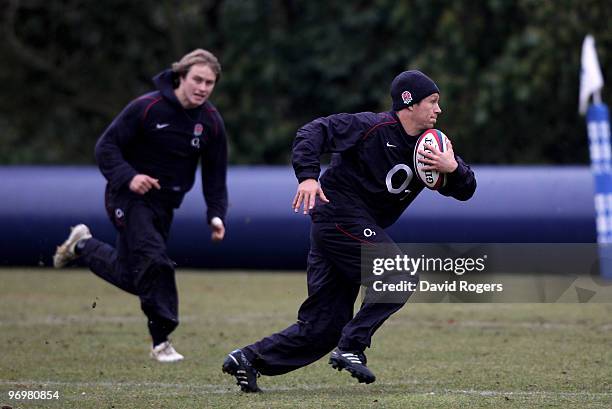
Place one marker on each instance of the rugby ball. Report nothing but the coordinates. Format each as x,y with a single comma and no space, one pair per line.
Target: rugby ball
431,178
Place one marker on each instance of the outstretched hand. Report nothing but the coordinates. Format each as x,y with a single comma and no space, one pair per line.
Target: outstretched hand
443,162
307,192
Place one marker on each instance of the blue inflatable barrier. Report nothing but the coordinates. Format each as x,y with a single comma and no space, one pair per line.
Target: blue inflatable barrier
511,204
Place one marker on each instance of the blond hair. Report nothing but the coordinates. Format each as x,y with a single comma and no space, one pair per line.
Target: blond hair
197,56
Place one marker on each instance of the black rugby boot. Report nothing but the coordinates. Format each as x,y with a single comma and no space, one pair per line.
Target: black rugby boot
238,365
354,362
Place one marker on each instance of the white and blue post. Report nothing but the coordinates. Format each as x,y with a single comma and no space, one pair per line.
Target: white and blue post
598,128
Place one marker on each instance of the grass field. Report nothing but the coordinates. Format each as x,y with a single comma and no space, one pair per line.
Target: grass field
52,337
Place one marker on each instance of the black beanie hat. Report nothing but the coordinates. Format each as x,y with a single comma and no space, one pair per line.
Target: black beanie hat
410,87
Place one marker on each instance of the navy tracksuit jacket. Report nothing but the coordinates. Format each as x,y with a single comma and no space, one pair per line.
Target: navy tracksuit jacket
370,182
156,136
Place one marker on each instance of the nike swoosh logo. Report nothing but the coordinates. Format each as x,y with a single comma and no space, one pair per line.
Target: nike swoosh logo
161,126
390,146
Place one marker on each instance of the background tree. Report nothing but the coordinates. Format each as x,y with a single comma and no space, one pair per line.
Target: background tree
508,70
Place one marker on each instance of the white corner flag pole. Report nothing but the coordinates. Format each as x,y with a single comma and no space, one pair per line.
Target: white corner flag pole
598,129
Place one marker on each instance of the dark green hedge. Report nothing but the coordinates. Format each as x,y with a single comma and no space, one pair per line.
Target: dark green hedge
508,70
